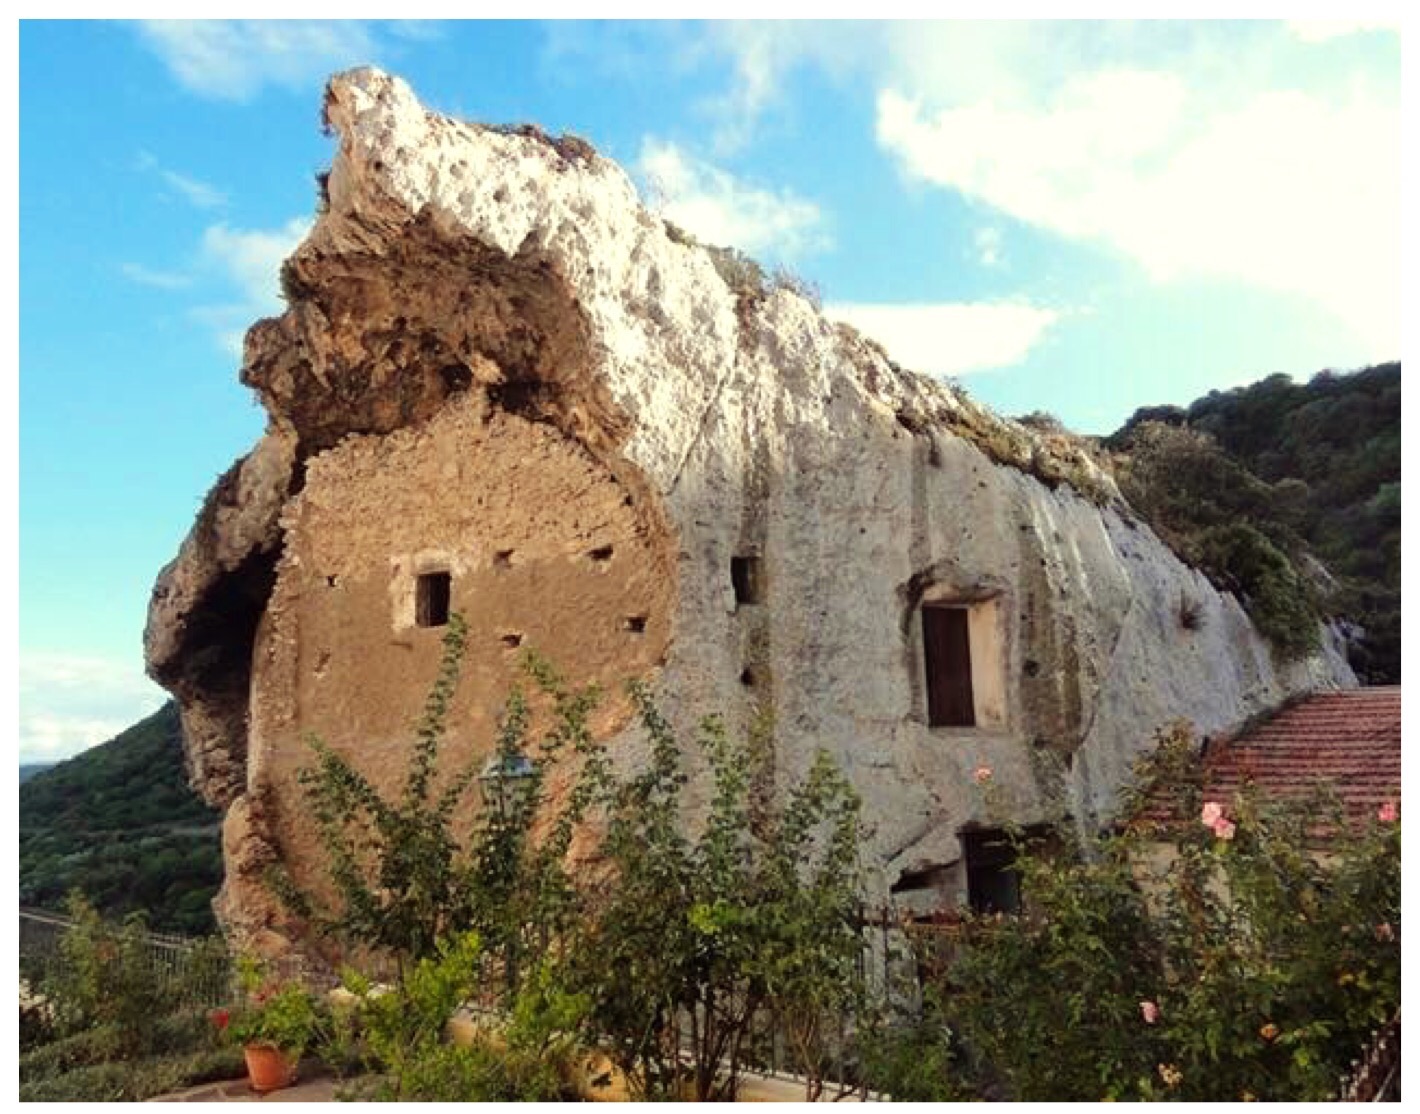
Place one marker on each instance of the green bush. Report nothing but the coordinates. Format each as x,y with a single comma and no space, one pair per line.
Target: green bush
1235,527
131,1080
913,1056
105,977
1275,596
1251,966
696,936
409,1058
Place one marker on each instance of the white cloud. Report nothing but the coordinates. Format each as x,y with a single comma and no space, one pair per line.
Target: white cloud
194,191
1324,30
762,53
1285,192
1287,189
234,59
987,242
149,276
720,209
250,261
68,704
1233,149
951,338
197,192
252,258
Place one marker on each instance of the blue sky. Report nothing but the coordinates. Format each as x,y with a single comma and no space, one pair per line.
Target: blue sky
1078,218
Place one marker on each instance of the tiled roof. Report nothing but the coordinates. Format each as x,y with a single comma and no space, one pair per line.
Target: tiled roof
1349,738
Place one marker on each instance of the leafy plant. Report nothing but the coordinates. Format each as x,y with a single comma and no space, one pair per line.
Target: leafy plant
276,1014
1247,964
698,935
105,977
394,865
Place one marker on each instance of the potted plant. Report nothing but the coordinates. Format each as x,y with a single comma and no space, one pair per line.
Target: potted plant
275,1022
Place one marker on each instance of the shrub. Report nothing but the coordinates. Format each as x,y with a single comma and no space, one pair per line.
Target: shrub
697,935
394,865
1273,593
1230,524
105,977
1251,966
131,1081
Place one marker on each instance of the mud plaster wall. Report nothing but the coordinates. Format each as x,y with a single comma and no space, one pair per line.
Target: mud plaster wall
546,550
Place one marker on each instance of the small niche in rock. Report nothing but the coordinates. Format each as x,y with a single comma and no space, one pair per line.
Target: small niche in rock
601,554
456,378
747,580
1031,667
636,624
512,640
503,559
332,581
752,677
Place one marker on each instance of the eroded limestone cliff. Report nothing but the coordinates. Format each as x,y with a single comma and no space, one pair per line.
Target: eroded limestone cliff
498,368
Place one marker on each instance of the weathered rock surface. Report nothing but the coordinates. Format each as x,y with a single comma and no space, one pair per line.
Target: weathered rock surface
497,365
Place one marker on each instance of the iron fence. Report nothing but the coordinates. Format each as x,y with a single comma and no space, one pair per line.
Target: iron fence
193,973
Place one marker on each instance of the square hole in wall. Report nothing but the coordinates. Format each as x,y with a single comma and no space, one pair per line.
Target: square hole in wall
748,579
431,599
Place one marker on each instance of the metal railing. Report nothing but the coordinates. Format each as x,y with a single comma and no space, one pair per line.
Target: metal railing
192,973
1375,1074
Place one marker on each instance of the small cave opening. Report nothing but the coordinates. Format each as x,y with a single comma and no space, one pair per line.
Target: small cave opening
602,554
503,559
456,377
512,640
635,624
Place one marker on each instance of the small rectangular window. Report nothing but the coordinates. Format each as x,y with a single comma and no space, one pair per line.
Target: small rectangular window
745,576
431,599
946,640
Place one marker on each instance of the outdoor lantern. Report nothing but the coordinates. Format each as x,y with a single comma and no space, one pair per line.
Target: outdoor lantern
506,780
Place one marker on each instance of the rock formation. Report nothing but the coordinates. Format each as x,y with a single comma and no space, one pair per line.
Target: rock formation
503,385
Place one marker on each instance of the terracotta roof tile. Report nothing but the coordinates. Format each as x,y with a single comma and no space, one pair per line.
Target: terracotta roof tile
1349,738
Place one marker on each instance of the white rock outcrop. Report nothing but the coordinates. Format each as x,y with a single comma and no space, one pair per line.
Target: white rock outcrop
487,329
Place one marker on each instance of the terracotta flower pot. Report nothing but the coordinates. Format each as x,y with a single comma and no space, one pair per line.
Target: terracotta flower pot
269,1068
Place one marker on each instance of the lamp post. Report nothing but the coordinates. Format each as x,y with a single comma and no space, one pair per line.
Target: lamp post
506,781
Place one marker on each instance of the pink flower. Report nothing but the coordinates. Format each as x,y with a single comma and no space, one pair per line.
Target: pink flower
1224,829
1150,1010
982,775
1384,932
1388,813
1212,813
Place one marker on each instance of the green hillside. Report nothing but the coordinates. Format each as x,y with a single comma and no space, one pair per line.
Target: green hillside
29,769
120,823
1309,467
